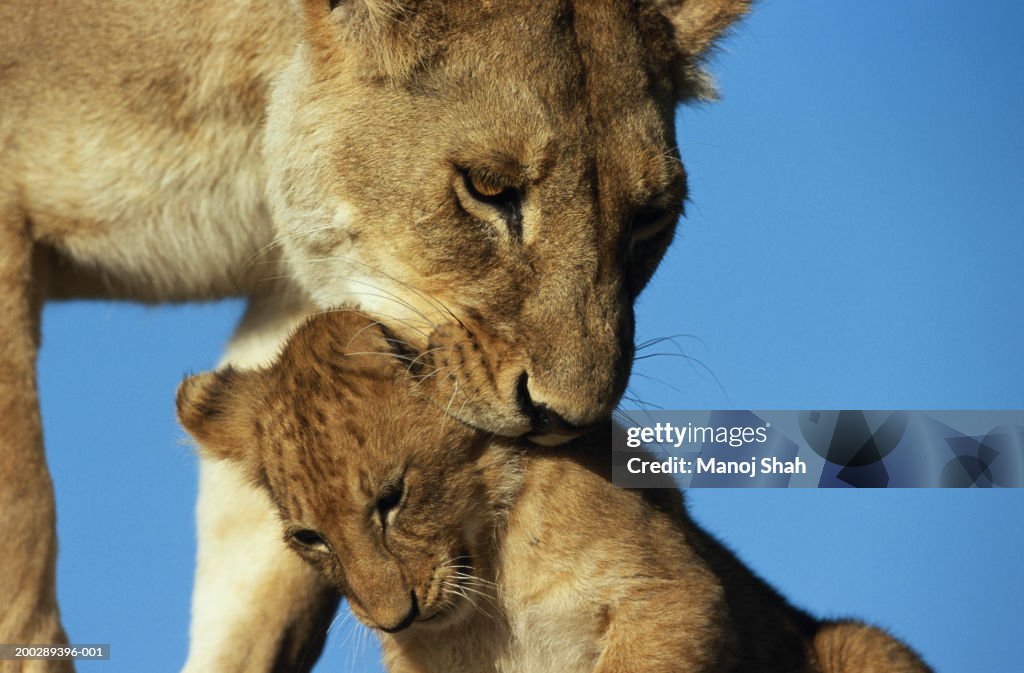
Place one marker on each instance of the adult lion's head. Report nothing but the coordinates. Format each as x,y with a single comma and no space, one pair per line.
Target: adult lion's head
495,180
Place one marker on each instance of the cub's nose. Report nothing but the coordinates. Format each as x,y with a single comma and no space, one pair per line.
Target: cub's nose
546,425
410,617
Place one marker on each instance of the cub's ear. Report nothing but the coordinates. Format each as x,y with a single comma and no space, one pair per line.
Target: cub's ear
697,25
215,409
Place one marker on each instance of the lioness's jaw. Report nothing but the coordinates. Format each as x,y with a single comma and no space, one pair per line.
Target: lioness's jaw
388,130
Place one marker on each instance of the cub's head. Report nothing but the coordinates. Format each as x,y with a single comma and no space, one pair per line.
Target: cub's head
496,181
389,498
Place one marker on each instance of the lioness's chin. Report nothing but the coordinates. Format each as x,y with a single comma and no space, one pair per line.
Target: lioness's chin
552,439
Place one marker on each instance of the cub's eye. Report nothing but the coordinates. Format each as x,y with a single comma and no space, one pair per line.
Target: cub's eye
389,500
310,539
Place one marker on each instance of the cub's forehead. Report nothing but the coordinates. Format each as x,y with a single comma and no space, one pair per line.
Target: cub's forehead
366,404
336,436
400,424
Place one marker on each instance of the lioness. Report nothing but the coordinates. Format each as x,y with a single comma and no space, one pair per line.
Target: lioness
503,174
472,553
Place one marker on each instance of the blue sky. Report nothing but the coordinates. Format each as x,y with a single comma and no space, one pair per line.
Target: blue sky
855,241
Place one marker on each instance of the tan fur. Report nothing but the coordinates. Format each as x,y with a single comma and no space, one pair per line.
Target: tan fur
255,606
852,647
189,150
476,553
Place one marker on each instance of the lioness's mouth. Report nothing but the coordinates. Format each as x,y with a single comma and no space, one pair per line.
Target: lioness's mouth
547,428
553,438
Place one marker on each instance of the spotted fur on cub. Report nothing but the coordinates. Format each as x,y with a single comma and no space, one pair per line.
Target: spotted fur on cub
471,553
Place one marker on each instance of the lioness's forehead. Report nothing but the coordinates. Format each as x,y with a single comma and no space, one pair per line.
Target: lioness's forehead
598,55
583,85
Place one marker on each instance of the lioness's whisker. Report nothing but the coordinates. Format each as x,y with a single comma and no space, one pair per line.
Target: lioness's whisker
376,323
657,380
387,294
423,378
423,354
426,296
630,397
696,364
673,339
394,299
376,314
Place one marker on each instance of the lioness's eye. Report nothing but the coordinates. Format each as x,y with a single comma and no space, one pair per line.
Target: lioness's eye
503,197
484,189
310,538
648,223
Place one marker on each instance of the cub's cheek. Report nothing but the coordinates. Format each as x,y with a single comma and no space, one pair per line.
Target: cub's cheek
336,582
325,565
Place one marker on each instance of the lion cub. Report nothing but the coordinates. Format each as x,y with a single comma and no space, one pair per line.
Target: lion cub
474,553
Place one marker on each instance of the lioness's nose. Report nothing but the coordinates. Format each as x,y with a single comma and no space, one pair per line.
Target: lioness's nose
544,421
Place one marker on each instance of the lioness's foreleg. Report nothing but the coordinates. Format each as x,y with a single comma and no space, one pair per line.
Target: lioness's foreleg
256,606
28,598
